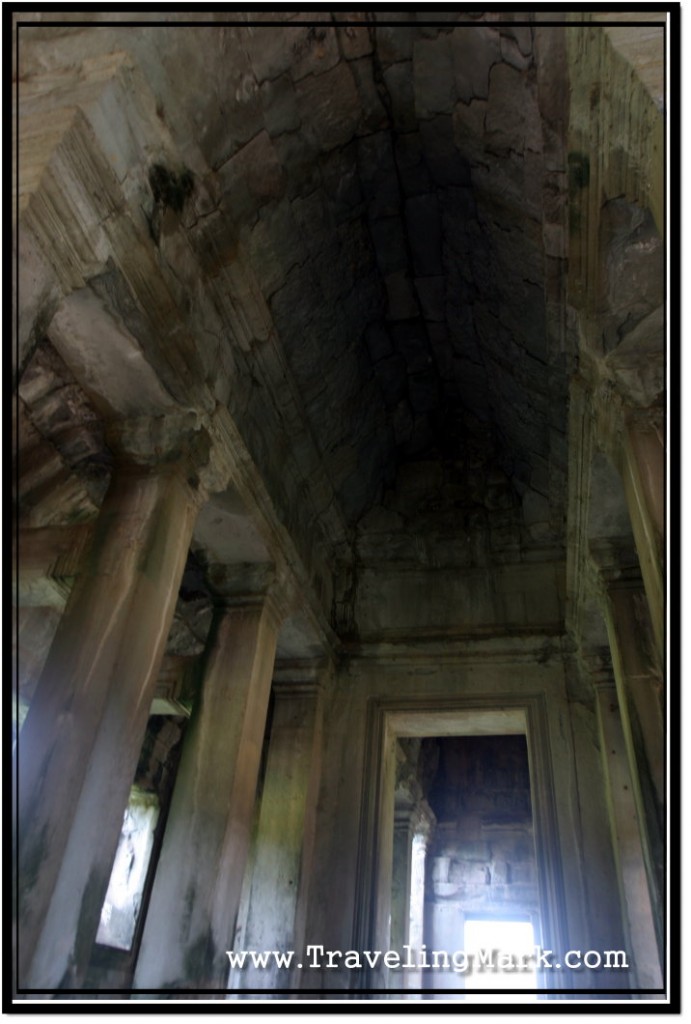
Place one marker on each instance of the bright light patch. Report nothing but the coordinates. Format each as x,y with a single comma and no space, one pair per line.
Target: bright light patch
125,889
508,939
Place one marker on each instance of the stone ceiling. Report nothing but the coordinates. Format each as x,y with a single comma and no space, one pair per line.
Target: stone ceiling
395,196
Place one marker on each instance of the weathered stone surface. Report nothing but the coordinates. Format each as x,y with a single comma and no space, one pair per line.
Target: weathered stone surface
512,121
431,296
393,43
425,235
445,163
315,50
433,77
330,103
279,104
398,79
377,171
412,169
373,115
352,294
474,50
402,303
355,40
390,246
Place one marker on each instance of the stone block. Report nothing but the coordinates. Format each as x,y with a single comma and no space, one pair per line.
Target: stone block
355,41
389,244
424,390
393,379
511,54
394,42
257,165
433,77
512,121
373,115
378,175
298,154
410,339
267,50
402,422
274,246
424,234
412,169
331,104
445,163
521,35
398,79
499,871
314,49
473,851
378,342
342,182
401,299
474,51
279,105
313,218
469,129
431,293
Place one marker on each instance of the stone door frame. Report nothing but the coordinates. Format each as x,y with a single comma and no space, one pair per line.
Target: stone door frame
391,718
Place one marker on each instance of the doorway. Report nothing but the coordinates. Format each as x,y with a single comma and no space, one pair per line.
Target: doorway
508,723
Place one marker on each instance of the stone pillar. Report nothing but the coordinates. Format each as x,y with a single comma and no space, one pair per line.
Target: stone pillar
191,917
639,692
400,887
639,681
639,924
423,822
78,749
407,798
285,834
413,823
643,472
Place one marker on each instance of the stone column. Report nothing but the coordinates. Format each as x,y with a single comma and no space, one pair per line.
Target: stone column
413,823
407,798
639,921
643,471
285,834
78,749
422,824
639,681
191,917
400,887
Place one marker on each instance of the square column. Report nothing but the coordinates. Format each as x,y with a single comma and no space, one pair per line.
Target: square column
643,472
639,924
78,749
639,681
400,879
191,917
285,835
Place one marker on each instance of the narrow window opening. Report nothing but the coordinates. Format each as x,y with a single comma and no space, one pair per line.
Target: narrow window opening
123,901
